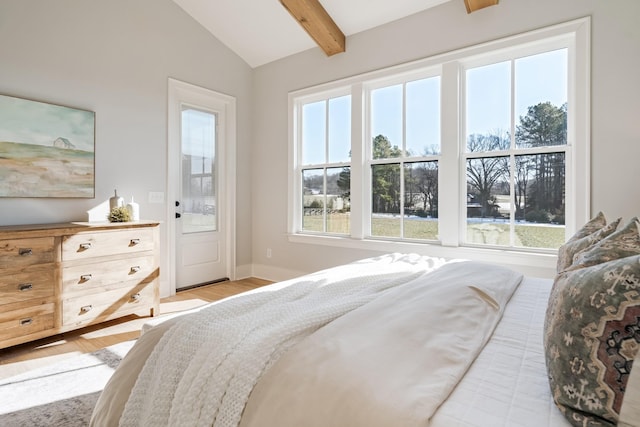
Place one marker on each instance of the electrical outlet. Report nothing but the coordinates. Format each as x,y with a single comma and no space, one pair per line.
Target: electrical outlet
268,252
156,197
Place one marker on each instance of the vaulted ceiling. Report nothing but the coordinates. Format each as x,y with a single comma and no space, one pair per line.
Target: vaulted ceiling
262,31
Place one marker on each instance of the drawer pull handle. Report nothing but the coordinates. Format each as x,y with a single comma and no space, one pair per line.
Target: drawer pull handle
135,269
26,322
135,297
25,287
86,308
134,242
85,246
85,278
25,251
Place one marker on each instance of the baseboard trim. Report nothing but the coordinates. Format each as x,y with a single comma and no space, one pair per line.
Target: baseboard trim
274,274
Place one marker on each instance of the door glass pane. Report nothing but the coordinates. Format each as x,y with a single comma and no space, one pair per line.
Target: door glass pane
198,201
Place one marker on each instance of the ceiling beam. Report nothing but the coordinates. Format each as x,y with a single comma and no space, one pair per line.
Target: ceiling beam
318,24
473,5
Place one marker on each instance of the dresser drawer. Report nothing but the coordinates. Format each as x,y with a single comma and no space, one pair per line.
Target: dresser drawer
23,252
107,305
25,284
103,243
80,279
26,321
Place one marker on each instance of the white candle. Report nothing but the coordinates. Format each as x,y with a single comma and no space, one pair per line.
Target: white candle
134,210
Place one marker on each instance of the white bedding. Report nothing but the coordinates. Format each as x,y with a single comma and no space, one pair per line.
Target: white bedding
204,368
505,386
390,362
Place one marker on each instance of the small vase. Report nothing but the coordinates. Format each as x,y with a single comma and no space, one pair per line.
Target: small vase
116,201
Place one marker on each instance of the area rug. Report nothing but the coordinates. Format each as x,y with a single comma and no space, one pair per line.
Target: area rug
62,394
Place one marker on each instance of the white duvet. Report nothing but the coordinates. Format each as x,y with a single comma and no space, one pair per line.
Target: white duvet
375,343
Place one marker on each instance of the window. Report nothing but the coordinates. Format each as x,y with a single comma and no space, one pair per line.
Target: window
325,172
481,148
403,160
516,139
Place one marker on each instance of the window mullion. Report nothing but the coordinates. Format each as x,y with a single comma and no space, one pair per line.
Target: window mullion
403,155
512,144
402,196
512,200
324,200
294,218
449,175
326,160
360,186
326,131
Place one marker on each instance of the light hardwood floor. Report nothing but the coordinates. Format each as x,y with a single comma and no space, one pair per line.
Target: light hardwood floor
46,351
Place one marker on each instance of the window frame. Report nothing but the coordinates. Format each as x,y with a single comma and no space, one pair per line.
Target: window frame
512,54
574,35
296,156
368,161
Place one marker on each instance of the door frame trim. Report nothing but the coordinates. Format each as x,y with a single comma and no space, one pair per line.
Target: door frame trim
181,92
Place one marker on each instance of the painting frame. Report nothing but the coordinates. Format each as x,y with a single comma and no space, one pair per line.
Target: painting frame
47,150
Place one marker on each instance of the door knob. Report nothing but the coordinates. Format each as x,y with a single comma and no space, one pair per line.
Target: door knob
177,203
178,215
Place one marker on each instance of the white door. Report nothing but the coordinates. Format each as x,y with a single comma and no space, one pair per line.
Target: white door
198,185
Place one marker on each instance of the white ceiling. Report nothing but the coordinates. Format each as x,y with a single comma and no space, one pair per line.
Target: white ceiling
262,31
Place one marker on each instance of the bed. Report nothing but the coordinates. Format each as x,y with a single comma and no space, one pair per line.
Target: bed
396,340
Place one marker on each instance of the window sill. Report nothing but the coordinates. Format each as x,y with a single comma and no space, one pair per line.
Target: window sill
531,263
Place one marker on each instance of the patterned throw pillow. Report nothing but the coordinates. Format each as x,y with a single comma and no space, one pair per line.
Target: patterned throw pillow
575,245
592,334
623,243
595,224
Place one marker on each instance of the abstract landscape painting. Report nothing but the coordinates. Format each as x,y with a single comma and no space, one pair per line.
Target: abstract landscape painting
46,150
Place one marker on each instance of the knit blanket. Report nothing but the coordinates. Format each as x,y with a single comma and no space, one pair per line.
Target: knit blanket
203,369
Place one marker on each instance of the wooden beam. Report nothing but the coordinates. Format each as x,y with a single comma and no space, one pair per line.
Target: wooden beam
317,23
473,5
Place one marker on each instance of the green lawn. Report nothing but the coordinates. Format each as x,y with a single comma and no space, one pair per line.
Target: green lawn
526,235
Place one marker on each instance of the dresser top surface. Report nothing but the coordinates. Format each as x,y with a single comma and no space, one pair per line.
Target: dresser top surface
73,227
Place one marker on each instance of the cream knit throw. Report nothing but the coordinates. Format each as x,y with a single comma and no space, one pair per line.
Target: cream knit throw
204,368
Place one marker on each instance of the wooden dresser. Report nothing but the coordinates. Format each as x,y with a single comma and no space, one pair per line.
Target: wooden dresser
59,277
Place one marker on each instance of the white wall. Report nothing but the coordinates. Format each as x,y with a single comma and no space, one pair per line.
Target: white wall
615,106
114,57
